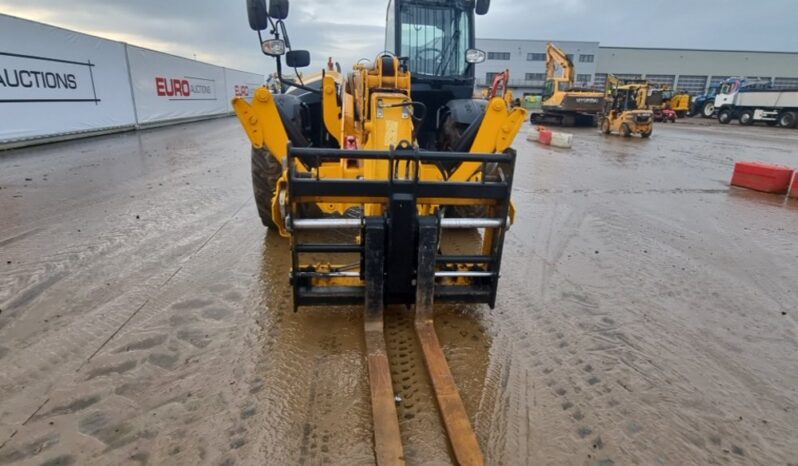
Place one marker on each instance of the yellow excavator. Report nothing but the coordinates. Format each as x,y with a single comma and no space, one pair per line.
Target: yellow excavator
389,157
678,101
563,102
627,109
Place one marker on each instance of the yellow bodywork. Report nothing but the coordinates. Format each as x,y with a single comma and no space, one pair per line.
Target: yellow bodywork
359,108
627,116
680,103
372,109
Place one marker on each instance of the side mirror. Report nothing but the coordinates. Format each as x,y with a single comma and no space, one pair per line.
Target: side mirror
258,17
297,58
482,7
278,9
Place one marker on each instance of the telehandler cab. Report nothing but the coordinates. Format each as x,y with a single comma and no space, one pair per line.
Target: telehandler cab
395,152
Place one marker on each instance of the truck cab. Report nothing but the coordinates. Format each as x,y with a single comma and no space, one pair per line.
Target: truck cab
729,88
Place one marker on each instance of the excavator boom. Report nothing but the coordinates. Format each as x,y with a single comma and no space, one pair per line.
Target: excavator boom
555,57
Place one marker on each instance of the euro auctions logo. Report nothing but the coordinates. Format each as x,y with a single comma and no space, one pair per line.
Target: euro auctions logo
241,90
185,88
30,78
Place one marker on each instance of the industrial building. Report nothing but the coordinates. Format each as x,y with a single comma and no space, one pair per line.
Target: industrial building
685,69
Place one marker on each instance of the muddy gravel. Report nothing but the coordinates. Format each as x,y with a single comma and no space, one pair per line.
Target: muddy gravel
646,314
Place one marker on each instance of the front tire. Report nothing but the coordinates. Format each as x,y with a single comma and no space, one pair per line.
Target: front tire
605,125
747,118
625,130
708,109
266,170
646,134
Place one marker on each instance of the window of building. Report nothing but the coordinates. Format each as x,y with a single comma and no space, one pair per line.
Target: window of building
535,76
586,58
583,79
785,83
498,55
536,57
661,79
489,78
570,56
600,81
693,85
716,80
628,76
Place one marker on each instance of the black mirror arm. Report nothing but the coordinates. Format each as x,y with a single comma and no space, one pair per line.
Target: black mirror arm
285,34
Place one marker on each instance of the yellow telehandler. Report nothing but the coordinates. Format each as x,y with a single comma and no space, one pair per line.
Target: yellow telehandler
395,152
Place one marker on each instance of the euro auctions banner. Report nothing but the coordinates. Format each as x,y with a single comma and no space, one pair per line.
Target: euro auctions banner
166,87
54,81
241,84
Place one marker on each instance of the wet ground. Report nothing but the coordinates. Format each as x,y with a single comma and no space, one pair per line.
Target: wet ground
646,315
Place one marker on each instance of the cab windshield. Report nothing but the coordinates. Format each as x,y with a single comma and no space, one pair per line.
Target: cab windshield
435,39
728,88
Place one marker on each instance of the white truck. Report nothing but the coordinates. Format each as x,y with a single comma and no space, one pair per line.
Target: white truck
772,106
728,89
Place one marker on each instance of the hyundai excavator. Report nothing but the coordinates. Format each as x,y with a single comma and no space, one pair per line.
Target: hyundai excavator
388,157
563,102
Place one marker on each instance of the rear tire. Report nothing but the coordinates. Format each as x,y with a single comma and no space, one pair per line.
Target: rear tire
266,170
747,118
625,130
787,120
725,117
605,125
708,109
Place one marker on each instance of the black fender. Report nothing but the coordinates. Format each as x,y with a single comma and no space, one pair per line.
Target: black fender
463,111
290,107
295,114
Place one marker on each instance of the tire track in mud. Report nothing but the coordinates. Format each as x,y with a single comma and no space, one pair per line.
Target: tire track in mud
602,363
150,371
312,364
71,343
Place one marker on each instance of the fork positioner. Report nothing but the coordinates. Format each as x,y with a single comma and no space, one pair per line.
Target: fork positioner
395,159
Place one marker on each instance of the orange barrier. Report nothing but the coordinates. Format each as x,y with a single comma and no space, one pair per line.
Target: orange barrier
545,137
760,176
794,188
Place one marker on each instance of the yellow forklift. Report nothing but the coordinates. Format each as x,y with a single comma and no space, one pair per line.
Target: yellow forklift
626,110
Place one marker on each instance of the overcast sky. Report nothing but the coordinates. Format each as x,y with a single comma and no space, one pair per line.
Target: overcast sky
217,30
